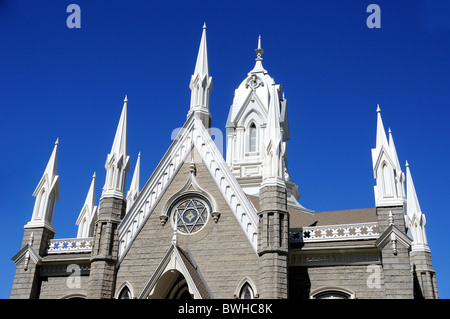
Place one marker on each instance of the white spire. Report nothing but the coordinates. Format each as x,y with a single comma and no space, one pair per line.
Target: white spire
258,64
201,66
88,214
120,145
273,120
46,192
390,187
118,162
135,186
412,201
381,133
273,151
393,151
415,218
201,84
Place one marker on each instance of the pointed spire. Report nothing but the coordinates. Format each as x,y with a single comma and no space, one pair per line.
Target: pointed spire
120,140
416,219
118,162
201,66
46,192
135,186
201,84
381,133
259,51
51,170
390,188
393,152
273,119
258,65
413,207
88,213
273,146
90,198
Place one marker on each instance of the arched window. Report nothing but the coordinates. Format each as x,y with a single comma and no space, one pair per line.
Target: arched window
246,292
387,179
41,205
252,138
125,293
111,177
82,229
197,95
332,293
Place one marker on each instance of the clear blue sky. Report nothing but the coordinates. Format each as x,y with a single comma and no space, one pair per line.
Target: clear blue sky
57,82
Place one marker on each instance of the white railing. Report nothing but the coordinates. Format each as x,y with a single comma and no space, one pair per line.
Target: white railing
334,233
70,245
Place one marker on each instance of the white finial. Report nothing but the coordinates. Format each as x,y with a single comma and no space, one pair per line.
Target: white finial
126,99
175,231
378,108
259,51
391,218
31,239
57,141
204,25
407,165
93,176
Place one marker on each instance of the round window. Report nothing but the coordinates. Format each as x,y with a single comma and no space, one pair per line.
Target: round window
190,215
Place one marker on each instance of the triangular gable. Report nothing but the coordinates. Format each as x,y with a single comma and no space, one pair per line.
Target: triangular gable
379,156
192,134
177,259
246,108
25,254
391,234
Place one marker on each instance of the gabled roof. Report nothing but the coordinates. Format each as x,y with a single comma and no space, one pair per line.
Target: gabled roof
193,134
300,218
26,253
179,260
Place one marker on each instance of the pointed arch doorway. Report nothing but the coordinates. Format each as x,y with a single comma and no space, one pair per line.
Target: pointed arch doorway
172,285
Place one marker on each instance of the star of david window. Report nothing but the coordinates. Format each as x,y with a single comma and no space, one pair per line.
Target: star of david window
190,215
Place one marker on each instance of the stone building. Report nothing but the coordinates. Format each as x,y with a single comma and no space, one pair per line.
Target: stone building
205,226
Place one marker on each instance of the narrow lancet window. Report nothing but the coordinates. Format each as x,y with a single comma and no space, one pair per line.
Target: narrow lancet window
252,138
246,292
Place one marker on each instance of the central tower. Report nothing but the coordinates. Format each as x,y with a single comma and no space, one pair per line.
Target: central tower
247,125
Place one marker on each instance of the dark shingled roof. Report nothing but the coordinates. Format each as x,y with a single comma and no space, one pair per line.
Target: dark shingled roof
201,287
299,218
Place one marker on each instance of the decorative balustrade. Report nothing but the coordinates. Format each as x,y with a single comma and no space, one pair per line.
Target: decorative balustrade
334,233
70,245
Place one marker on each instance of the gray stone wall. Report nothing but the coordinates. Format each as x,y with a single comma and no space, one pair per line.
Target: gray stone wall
397,216
424,276
58,287
273,242
304,281
105,248
396,266
397,273
26,281
25,284
41,239
220,250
